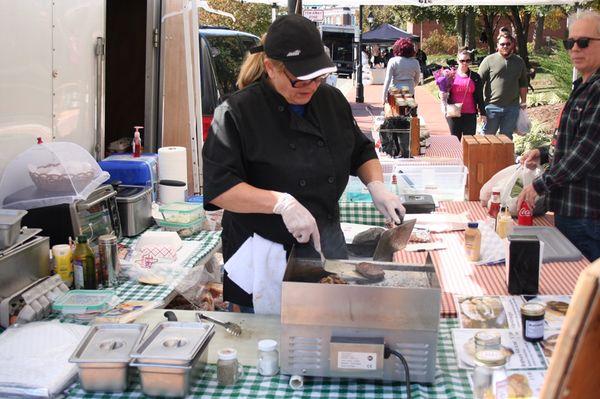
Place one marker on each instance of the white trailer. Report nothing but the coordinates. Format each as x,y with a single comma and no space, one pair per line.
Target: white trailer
87,71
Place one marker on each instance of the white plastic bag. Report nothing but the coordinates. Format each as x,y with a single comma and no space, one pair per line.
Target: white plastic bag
523,123
506,180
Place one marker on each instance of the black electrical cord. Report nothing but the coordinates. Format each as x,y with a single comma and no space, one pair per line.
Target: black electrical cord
386,354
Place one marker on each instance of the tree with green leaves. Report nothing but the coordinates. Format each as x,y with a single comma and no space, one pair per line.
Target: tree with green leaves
250,17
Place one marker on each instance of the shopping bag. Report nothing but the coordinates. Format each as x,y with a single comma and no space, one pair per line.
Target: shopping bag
454,110
523,123
514,184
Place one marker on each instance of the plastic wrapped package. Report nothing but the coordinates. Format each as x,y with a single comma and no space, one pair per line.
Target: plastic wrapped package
50,174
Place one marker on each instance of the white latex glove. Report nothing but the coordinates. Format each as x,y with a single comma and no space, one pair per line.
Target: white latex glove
386,202
298,220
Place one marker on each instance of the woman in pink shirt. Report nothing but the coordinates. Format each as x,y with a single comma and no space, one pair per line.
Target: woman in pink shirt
467,89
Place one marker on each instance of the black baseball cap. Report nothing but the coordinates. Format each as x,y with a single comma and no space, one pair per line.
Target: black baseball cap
295,41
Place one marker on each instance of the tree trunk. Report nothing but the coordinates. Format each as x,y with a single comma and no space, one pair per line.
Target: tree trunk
522,30
470,29
488,26
460,28
539,32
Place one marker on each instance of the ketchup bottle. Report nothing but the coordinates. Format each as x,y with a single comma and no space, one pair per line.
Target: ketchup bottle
525,215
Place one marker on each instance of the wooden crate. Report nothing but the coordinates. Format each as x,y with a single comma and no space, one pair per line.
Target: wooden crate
484,156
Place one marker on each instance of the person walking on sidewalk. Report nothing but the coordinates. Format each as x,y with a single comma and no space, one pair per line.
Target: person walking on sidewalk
403,69
572,181
504,76
466,89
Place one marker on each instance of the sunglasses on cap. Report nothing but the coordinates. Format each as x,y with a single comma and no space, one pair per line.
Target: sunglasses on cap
582,42
465,61
297,83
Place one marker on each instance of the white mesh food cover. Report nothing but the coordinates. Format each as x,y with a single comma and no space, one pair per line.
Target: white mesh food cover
49,174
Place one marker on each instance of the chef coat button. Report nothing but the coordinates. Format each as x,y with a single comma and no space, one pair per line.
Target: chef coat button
281,108
302,182
331,179
292,146
320,143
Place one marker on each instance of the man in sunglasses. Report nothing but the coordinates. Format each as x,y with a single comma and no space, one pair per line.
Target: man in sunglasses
572,181
279,154
504,77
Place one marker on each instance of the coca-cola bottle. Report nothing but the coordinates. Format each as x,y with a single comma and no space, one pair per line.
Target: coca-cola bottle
525,215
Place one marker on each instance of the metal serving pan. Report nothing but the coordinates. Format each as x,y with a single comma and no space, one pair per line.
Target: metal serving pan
103,356
172,380
173,343
10,226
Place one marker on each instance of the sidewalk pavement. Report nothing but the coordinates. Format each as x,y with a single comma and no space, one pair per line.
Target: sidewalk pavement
429,108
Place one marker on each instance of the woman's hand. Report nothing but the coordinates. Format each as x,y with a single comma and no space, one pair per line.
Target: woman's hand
386,202
531,159
298,220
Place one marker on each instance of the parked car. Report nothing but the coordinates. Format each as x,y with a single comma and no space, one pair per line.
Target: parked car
222,52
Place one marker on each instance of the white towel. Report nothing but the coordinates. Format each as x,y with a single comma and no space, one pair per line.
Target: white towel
258,267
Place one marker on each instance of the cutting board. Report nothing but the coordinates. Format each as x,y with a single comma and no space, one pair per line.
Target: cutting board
557,247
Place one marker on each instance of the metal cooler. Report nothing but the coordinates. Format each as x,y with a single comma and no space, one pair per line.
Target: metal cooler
331,330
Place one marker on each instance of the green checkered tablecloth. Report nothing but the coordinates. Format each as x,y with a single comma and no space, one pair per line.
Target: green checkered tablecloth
450,382
361,213
130,291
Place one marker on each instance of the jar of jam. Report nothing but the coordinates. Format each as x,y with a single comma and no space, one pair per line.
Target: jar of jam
532,321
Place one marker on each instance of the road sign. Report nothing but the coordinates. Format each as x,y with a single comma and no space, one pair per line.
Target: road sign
314,15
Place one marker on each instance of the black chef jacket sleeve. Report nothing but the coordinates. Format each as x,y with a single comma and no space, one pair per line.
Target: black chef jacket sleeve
223,165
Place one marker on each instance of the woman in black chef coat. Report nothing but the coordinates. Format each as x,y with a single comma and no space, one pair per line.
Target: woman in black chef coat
280,151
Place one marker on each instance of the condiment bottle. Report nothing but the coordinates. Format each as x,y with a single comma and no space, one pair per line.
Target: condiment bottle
532,321
63,262
486,340
228,370
489,376
395,188
525,215
473,242
495,204
84,266
137,142
504,223
268,358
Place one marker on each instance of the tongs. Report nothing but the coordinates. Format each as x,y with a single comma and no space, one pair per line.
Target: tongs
231,328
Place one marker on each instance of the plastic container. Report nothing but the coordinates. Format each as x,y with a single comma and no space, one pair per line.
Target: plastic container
181,212
183,229
84,301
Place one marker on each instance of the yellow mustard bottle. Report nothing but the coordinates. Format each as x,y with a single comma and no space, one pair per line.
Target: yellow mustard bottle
504,223
63,263
473,242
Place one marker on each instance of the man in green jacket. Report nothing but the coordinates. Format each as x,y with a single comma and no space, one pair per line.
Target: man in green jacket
504,76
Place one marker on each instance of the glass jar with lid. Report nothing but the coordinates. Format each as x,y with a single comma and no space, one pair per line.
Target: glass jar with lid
485,340
489,377
228,368
268,358
532,321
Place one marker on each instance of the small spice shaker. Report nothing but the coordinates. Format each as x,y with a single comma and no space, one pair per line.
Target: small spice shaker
532,320
485,340
228,370
489,377
268,358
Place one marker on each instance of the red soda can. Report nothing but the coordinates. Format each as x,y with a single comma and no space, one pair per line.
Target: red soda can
525,215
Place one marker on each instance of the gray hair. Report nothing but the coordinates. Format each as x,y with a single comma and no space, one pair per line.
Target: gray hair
585,14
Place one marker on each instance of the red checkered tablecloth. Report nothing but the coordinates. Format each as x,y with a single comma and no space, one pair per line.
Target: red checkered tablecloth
444,147
458,277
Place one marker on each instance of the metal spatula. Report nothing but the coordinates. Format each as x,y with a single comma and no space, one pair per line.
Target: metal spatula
231,328
392,240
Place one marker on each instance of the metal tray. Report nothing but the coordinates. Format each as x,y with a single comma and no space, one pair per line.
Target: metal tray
557,247
103,356
173,343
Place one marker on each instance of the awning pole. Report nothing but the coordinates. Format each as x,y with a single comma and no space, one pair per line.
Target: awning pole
360,98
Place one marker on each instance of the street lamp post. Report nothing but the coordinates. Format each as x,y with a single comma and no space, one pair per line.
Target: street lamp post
360,98
370,20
